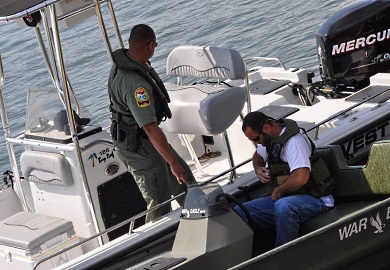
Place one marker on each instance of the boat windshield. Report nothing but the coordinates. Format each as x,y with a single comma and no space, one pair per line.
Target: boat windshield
46,118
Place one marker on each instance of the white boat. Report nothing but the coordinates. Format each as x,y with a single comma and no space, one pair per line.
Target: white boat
68,201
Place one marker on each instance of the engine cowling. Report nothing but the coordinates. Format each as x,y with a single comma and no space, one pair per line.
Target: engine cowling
354,44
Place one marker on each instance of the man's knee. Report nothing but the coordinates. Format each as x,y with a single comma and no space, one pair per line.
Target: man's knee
241,213
284,207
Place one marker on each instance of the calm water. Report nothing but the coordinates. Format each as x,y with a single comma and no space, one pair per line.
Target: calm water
283,29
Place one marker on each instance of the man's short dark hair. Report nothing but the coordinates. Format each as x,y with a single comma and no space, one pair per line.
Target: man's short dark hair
141,33
254,120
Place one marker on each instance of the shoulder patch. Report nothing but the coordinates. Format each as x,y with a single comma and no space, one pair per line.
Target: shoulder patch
142,97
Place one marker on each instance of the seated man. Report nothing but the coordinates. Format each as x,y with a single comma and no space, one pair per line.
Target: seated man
293,200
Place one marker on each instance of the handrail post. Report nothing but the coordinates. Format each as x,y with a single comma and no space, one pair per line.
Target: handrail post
103,29
7,134
131,228
246,79
72,125
248,90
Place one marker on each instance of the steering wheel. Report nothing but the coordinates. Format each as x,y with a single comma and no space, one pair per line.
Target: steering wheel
243,208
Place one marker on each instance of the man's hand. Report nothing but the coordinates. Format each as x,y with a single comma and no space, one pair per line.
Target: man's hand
159,141
276,194
261,171
297,179
263,174
179,172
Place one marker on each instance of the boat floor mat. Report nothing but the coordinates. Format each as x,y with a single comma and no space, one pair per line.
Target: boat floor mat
161,263
369,92
207,156
277,112
265,86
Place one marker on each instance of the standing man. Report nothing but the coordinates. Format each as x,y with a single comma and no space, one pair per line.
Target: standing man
139,102
282,159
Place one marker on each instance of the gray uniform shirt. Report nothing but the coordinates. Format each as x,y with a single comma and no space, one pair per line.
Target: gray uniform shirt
132,96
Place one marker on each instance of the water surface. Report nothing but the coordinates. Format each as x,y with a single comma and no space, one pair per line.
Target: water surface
282,29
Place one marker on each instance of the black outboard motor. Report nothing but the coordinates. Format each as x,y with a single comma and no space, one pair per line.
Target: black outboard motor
354,44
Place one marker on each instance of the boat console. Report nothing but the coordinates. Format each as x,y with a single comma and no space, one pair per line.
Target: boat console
210,234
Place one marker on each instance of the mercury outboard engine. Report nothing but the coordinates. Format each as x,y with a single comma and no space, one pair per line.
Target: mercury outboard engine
353,44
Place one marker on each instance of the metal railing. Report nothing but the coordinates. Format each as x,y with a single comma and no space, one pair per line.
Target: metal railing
317,127
255,59
248,90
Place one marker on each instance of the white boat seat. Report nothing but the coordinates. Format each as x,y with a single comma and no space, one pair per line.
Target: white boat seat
204,109
47,168
205,62
196,109
265,86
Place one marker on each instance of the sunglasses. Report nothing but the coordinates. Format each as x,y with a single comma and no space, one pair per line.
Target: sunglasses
155,43
256,139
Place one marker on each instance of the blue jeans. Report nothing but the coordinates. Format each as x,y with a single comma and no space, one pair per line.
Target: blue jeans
285,215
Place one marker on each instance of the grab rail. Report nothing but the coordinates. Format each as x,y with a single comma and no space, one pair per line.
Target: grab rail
251,60
2,77
257,58
317,127
7,134
134,218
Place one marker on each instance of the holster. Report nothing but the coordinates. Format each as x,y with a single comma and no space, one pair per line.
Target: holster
122,132
132,139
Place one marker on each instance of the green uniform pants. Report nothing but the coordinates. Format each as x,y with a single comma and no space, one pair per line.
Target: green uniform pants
154,177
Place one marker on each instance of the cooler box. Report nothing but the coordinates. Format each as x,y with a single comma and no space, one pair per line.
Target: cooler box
26,238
